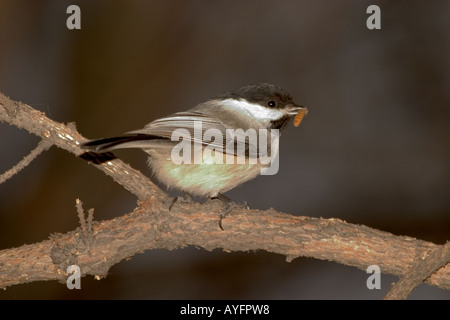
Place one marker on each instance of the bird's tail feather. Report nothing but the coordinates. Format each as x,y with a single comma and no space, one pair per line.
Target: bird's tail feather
108,144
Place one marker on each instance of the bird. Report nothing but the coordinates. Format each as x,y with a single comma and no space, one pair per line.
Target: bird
215,146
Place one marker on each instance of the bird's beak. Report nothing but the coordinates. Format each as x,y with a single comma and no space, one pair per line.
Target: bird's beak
294,109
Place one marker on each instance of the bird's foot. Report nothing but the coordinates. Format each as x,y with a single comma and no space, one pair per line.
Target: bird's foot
229,206
187,198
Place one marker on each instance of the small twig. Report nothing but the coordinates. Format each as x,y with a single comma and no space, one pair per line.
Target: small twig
86,224
42,146
419,272
90,220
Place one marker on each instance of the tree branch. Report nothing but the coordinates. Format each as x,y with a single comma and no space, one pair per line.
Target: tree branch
97,246
66,137
152,226
419,271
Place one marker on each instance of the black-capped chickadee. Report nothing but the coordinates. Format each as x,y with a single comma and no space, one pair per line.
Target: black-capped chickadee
215,146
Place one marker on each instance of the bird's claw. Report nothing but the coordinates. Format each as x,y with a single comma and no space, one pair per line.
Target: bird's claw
187,198
230,205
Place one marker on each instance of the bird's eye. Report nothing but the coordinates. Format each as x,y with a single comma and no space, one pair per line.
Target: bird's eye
271,103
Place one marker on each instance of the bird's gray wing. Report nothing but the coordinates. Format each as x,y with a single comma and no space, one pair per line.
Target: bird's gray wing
199,127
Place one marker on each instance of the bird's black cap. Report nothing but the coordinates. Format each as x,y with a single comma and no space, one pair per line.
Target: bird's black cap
262,94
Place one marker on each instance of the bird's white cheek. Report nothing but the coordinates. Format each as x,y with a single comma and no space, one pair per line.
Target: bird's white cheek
255,110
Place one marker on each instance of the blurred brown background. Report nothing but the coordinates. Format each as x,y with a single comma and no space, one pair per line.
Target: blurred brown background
374,148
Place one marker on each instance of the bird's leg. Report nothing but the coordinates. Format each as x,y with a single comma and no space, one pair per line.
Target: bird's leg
229,206
187,198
